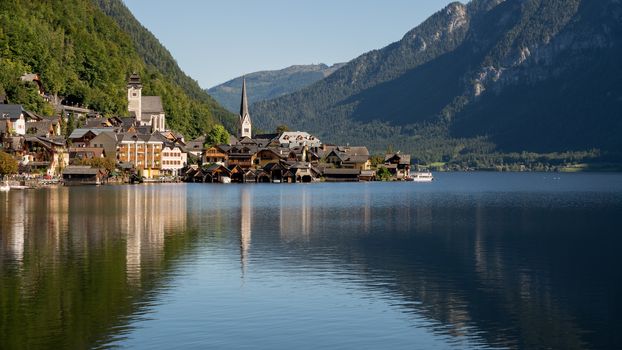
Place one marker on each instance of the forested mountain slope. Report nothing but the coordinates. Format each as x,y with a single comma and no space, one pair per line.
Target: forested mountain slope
266,85
487,77
84,57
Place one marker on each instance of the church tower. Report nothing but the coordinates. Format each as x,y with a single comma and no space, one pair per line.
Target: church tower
134,96
244,124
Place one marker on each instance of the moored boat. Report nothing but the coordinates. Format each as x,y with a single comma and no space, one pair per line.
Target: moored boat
422,176
4,187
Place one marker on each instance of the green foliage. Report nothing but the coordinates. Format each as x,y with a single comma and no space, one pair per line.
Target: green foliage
216,135
8,165
83,55
550,87
282,128
383,174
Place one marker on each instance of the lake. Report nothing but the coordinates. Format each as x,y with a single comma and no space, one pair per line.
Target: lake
472,260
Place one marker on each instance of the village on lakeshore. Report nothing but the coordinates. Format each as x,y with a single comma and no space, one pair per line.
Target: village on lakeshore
140,148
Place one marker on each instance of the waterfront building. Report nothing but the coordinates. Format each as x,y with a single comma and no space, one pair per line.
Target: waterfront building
174,158
350,158
144,151
398,164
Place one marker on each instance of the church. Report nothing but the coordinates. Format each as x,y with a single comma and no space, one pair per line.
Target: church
245,126
147,110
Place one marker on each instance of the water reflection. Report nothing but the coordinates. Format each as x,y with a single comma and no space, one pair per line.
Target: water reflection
72,260
85,267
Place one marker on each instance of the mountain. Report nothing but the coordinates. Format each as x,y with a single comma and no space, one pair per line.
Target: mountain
266,85
488,77
84,51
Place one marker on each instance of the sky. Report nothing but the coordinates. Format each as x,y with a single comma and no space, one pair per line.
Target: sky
214,41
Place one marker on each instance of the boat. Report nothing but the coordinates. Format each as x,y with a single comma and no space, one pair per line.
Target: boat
422,176
4,187
225,179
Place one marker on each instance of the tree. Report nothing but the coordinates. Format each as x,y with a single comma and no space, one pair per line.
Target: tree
8,165
216,135
282,128
383,174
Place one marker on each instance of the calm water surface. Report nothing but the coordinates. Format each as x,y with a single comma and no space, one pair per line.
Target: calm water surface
473,260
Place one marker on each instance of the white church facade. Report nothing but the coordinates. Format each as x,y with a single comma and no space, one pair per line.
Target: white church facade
147,110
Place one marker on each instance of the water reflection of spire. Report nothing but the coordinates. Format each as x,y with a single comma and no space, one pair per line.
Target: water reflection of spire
246,213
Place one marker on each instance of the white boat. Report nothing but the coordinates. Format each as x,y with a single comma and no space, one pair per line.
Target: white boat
422,176
4,187
225,179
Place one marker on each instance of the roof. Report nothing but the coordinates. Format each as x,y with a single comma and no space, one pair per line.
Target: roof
151,104
341,171
244,103
403,158
80,169
134,80
11,111
80,132
42,127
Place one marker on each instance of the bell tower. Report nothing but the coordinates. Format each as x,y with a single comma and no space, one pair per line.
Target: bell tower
134,96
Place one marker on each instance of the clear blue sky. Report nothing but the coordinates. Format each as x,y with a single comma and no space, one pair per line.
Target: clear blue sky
217,40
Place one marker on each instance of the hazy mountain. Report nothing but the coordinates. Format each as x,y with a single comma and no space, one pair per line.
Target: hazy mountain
492,75
267,85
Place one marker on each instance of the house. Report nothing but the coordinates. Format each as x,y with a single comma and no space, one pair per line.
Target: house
398,165
16,118
174,158
144,151
241,155
215,173
82,137
79,153
82,175
298,139
195,147
43,128
33,78
265,156
40,154
106,140
341,175
350,158
302,172
276,171
214,154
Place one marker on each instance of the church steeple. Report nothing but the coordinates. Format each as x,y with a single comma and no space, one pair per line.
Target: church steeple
244,124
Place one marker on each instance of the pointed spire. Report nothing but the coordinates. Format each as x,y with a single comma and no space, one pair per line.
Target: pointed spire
244,104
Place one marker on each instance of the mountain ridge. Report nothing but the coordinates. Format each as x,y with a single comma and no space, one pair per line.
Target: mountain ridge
439,88
268,84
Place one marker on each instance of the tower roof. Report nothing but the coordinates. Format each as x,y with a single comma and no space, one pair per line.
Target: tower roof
134,80
244,104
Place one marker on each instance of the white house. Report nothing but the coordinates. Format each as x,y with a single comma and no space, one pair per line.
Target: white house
15,115
174,158
298,138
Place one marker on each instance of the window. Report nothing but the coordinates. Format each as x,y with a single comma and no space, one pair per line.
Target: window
245,129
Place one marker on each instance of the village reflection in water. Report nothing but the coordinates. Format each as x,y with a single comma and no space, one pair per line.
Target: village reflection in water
79,265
